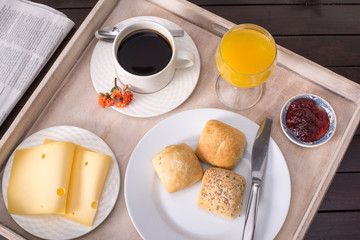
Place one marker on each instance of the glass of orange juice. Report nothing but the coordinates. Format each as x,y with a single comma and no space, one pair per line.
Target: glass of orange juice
245,57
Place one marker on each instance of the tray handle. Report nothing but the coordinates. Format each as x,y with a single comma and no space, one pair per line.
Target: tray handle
9,234
196,15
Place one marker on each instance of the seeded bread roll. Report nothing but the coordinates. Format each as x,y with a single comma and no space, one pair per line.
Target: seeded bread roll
220,144
222,192
177,167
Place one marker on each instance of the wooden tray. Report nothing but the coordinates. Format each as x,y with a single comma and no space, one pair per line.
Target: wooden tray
66,96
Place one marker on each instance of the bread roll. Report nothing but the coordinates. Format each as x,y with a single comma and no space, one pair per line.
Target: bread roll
222,192
177,167
220,144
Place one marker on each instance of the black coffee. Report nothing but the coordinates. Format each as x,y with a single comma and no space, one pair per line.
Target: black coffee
144,52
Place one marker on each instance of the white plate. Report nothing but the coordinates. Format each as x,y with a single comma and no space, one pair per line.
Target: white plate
52,226
157,214
153,104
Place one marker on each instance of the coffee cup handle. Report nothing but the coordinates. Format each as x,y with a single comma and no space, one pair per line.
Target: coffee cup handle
184,59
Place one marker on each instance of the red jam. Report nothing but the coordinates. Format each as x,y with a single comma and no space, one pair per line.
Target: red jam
306,120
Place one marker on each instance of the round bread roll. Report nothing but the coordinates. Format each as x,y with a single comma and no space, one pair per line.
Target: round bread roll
177,167
222,192
220,145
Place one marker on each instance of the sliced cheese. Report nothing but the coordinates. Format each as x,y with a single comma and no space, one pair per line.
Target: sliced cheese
87,179
46,141
39,179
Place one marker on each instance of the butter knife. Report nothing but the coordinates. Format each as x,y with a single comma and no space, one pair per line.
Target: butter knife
258,164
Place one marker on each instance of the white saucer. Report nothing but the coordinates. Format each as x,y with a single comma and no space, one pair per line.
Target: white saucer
153,104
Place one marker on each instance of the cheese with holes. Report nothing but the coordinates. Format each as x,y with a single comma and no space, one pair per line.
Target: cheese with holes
39,179
46,140
87,179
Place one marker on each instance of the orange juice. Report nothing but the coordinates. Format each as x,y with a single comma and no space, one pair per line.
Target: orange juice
246,57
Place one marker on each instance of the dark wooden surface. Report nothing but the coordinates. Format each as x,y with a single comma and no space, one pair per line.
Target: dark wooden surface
324,31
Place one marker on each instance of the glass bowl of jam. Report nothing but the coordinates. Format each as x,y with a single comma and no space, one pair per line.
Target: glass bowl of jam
308,120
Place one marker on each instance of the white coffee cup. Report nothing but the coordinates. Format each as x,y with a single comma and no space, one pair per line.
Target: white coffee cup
157,81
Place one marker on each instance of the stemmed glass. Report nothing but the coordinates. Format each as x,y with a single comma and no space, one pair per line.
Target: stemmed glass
245,57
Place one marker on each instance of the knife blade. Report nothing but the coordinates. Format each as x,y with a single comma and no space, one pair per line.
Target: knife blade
258,164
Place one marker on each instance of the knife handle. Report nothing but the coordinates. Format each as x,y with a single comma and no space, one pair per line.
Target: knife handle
251,212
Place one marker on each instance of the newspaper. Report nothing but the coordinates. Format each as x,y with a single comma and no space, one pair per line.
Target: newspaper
29,35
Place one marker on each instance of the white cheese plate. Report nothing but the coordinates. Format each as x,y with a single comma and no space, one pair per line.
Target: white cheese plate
49,226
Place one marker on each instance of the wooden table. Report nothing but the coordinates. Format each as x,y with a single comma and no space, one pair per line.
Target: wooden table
324,31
